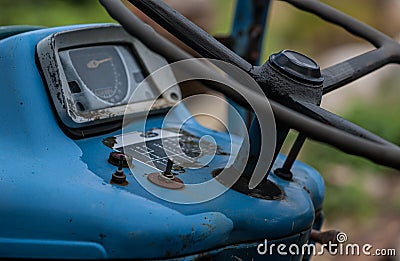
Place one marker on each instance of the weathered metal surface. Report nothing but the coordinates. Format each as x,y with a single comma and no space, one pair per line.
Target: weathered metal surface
64,184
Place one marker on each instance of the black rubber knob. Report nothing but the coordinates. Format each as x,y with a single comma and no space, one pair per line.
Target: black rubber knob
297,66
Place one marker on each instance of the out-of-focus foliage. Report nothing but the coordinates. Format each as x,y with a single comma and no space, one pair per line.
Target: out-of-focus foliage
294,29
51,12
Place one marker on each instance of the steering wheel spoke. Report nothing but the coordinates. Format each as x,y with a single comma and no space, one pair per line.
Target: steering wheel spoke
338,122
309,119
336,76
339,75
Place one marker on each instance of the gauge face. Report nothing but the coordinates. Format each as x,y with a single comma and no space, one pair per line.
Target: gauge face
102,72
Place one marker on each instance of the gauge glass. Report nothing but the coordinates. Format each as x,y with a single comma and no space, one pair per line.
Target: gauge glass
102,71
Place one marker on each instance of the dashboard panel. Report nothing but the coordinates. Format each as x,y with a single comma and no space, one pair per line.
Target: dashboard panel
93,74
69,182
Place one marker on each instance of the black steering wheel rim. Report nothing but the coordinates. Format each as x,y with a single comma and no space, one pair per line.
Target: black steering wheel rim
384,153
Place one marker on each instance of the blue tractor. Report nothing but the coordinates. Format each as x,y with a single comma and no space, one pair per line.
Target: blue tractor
103,160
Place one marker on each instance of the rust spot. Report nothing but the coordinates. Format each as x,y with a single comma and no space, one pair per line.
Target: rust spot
306,189
160,181
209,226
193,238
203,257
123,184
110,142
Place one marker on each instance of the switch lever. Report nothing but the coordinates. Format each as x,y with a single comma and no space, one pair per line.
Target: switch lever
166,179
167,172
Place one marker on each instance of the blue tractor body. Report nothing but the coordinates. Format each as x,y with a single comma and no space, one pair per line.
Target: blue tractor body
57,200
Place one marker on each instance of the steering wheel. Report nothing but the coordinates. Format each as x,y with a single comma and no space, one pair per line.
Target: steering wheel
290,108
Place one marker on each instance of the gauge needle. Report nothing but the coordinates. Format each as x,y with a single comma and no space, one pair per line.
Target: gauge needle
95,63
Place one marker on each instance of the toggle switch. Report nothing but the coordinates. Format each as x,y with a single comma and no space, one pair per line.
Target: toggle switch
166,179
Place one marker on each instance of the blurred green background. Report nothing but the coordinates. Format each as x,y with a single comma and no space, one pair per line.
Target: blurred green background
359,193
51,12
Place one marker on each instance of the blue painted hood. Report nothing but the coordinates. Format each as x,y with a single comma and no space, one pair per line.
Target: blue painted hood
57,200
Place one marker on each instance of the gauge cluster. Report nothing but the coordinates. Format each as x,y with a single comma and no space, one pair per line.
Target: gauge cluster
97,76
93,75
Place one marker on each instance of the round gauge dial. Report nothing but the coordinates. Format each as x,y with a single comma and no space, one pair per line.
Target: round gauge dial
102,71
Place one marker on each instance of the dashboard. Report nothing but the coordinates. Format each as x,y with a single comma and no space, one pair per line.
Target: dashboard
93,77
82,80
